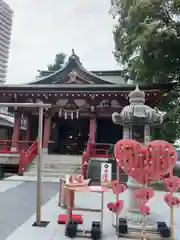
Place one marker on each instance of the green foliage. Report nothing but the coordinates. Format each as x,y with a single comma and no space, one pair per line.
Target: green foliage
58,63
147,43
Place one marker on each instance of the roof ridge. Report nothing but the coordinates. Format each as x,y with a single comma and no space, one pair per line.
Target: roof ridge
74,58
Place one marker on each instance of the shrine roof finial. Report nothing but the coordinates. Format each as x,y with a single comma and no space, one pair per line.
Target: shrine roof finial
74,56
73,52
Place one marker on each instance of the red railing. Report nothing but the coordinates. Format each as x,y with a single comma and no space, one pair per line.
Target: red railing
94,150
13,147
99,150
26,157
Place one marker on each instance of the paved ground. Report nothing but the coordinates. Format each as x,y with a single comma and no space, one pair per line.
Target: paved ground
17,202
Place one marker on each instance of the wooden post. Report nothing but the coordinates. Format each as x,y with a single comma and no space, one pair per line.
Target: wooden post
172,222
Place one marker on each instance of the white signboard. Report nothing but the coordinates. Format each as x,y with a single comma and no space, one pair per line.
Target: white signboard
106,173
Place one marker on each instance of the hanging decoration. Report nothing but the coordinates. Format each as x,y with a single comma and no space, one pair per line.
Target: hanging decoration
69,113
117,206
146,164
172,184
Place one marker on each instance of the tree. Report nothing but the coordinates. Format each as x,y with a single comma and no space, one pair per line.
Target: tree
59,62
147,43
57,65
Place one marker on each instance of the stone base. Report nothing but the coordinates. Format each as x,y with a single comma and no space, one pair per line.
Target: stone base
135,220
45,150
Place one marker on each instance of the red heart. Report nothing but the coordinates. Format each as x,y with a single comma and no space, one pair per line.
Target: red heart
128,153
144,195
116,207
144,209
145,164
171,200
118,188
119,206
112,207
172,183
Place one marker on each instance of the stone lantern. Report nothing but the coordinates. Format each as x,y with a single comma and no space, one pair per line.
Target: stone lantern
136,119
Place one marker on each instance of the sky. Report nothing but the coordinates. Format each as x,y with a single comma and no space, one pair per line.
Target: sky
43,28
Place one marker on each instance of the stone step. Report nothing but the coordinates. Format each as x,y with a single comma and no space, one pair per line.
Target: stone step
62,158
55,175
61,163
58,167
33,170
54,165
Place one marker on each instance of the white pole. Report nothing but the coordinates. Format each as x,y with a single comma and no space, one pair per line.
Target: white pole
39,166
41,107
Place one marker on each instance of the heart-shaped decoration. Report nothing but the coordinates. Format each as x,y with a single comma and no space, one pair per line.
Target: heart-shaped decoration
144,209
172,183
128,153
112,207
145,164
144,194
163,156
119,206
142,176
171,200
118,188
116,207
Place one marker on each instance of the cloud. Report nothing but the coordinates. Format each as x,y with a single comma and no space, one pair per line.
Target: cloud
43,28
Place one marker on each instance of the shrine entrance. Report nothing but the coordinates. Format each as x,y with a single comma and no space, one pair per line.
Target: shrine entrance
107,131
70,136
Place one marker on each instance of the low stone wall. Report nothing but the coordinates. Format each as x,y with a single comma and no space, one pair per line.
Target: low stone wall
8,159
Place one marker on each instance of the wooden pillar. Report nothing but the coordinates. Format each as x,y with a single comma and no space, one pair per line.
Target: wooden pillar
47,132
16,132
92,129
28,129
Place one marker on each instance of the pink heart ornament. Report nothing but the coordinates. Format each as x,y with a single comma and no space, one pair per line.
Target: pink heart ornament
171,200
172,183
118,188
145,210
116,207
144,195
112,207
119,206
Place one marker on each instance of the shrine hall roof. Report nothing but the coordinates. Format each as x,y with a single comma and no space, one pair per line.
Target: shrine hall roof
84,87
81,75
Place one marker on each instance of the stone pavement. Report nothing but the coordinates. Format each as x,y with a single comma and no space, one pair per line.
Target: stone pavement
21,198
18,203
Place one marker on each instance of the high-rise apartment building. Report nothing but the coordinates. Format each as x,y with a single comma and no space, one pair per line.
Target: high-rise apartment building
6,15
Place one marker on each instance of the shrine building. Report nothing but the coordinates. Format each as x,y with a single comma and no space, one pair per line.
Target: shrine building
82,105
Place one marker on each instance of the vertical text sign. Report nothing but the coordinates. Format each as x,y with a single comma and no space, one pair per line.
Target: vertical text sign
106,173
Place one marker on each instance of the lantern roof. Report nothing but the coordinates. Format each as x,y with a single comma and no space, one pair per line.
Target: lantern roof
137,111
